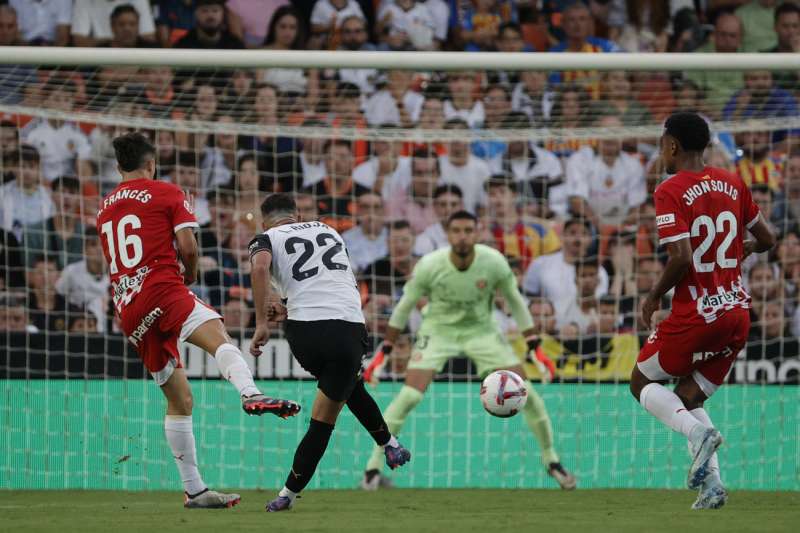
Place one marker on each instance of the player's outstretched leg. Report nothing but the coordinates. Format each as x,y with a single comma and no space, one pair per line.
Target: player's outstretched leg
364,408
212,337
309,452
180,436
417,380
538,421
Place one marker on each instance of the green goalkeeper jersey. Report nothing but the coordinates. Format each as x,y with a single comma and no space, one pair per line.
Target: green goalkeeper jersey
461,299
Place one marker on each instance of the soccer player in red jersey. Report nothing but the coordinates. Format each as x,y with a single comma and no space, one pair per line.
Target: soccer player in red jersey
702,214
141,224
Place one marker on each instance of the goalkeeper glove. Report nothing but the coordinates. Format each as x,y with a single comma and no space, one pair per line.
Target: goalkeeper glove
537,356
376,365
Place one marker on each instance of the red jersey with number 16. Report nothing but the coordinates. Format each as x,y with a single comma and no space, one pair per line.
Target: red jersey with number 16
713,209
137,222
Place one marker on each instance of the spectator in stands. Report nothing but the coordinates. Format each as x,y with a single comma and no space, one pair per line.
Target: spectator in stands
60,236
431,115
326,19
447,199
46,307
395,102
287,32
770,336
536,172
544,316
646,28
44,22
758,18
577,24
619,264
312,156
367,241
788,255
249,19
618,97
249,185
354,35
14,314
187,178
553,276
85,283
238,314
14,79
10,34
787,31
581,315
9,145
388,274
386,172
759,98
209,31
204,106
415,205
159,93
764,283
533,96
460,167
462,102
509,39
219,158
81,320
337,192
513,236
91,21
719,85
406,25
12,269
175,19
570,110
214,237
238,94
125,29
787,202
64,148
758,164
25,200
496,105
605,186
478,25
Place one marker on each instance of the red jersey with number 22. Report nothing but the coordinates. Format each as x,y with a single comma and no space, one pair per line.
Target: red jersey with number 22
713,209
137,223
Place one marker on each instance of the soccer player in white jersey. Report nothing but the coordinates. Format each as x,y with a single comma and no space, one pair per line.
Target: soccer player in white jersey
460,283
308,264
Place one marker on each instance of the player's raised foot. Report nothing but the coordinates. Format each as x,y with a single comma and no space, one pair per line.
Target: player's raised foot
713,497
705,442
563,476
281,503
259,404
210,499
396,455
374,480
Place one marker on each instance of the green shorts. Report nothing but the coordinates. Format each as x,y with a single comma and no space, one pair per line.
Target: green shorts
488,349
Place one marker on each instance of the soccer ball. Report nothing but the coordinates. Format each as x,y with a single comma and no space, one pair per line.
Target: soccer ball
503,393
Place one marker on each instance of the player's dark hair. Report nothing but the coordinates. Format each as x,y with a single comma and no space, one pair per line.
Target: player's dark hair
278,202
689,129
449,188
69,183
786,8
132,151
123,9
461,215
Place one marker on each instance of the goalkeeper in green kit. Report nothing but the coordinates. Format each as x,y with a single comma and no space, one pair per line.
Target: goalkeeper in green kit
460,283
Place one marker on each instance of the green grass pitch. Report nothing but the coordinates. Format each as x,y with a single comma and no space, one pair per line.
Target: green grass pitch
401,510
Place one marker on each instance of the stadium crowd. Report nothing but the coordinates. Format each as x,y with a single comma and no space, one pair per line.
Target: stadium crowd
574,216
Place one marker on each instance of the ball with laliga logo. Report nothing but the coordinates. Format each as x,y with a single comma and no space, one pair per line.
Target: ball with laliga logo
503,393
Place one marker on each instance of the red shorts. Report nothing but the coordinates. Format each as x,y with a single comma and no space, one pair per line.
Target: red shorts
706,352
155,321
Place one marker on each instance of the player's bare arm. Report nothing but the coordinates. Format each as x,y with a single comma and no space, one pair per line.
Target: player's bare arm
187,250
764,238
679,260
259,276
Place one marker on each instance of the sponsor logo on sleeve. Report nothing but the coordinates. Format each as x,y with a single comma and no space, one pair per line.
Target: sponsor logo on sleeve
663,221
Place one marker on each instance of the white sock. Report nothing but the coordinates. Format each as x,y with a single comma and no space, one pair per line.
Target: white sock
392,442
181,440
288,493
233,368
665,405
713,463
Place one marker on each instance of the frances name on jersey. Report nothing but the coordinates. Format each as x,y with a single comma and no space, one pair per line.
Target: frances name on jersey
707,186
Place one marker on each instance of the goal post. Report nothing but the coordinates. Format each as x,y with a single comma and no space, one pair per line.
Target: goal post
529,139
